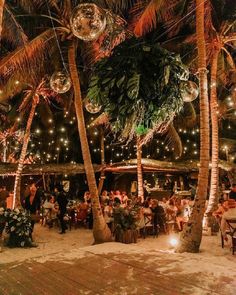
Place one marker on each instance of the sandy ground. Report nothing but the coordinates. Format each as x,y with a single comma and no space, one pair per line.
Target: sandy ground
213,267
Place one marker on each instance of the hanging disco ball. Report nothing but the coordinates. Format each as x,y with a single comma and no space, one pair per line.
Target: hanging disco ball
189,91
88,21
92,108
60,82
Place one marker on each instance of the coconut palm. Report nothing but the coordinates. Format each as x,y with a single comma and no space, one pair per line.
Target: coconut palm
2,2
26,61
32,98
219,52
192,233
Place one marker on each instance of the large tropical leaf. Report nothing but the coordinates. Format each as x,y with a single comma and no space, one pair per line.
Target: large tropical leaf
12,32
28,59
146,13
174,141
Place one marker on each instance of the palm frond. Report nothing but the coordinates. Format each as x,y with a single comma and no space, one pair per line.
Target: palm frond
117,6
28,59
145,14
174,141
102,119
12,31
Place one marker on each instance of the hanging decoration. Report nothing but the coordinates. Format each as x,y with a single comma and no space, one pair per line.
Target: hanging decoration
88,21
189,91
60,82
91,107
138,87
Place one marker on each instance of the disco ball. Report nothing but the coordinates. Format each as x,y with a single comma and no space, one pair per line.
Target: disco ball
189,91
92,107
60,82
88,21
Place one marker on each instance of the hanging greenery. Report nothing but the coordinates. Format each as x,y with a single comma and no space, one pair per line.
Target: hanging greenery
138,87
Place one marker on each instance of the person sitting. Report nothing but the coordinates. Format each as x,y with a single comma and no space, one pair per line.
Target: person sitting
230,213
183,214
104,196
48,206
222,207
108,214
232,194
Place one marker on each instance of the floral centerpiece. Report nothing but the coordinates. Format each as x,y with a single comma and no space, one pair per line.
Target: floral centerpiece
18,226
125,221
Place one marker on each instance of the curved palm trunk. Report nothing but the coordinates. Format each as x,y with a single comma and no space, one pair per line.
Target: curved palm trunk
139,169
2,2
213,199
17,185
101,231
191,236
102,175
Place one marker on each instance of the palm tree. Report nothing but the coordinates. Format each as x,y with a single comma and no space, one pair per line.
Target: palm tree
31,100
2,2
26,60
192,234
101,231
219,52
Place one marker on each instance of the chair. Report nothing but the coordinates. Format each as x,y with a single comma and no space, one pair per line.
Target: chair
232,232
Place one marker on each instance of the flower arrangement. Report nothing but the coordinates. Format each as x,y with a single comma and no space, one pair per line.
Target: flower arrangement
125,221
18,226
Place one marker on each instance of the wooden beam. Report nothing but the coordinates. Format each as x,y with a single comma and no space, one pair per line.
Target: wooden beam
129,166
38,169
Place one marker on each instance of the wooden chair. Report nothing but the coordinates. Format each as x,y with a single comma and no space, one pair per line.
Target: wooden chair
232,232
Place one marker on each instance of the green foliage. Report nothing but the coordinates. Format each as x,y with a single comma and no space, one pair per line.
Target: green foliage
138,87
125,219
18,226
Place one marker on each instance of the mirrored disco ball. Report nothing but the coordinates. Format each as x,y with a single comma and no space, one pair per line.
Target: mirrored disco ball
189,91
88,21
92,107
60,82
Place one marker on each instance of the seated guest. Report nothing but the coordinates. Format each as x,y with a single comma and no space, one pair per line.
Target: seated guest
104,196
87,196
118,195
183,214
220,210
230,213
108,214
9,200
232,194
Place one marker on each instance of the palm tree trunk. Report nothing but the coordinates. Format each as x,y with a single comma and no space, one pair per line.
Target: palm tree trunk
2,2
5,150
213,199
139,169
17,185
101,231
102,175
191,236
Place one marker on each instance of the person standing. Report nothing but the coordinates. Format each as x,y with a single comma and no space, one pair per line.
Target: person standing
62,202
32,203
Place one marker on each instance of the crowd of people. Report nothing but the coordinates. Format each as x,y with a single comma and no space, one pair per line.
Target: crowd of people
168,214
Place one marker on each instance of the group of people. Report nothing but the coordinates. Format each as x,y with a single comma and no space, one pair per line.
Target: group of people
168,214
226,211
165,214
